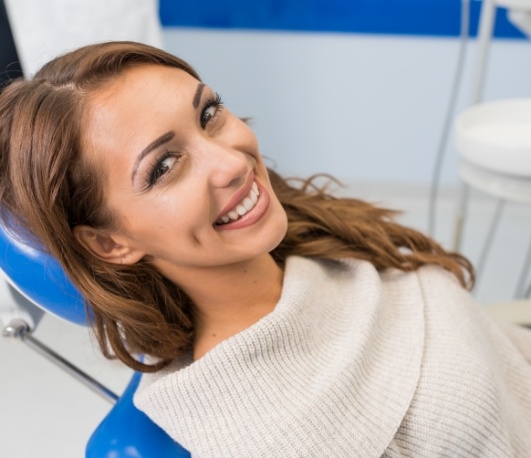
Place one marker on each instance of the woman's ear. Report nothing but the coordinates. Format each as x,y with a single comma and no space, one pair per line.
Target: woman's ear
109,247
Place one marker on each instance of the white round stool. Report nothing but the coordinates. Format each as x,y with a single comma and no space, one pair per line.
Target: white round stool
494,141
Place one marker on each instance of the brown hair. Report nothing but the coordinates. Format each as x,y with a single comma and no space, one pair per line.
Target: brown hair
48,187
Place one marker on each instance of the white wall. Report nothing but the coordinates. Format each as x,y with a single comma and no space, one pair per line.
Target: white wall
361,107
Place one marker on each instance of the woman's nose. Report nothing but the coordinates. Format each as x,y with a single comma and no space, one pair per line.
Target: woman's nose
225,165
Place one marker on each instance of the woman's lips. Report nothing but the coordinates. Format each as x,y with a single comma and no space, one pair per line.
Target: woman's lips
239,196
242,207
253,215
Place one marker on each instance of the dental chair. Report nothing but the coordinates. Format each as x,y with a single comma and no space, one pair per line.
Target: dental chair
38,280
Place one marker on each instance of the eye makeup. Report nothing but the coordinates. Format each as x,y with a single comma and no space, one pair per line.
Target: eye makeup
162,167
212,107
167,161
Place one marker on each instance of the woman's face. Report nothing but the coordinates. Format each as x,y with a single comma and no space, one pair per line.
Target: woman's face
183,175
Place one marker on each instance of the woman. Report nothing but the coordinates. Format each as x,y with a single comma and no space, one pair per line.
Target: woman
276,320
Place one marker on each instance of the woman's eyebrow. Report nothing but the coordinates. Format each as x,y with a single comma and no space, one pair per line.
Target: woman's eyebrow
164,138
197,96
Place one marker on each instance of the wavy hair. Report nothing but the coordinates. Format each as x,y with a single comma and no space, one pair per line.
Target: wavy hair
48,187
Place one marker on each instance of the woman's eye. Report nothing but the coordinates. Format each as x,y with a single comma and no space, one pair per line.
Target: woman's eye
162,167
211,109
208,114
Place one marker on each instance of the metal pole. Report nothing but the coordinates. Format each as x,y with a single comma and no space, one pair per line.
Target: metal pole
20,329
464,192
520,288
486,24
490,237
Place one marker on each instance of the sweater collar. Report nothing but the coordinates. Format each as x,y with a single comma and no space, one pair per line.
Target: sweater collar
335,364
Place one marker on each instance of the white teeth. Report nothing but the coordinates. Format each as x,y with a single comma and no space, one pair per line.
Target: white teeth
243,207
248,203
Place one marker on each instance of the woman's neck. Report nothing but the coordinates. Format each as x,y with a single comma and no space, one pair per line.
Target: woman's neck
229,300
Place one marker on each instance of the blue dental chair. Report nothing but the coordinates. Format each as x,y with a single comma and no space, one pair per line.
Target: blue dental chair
125,432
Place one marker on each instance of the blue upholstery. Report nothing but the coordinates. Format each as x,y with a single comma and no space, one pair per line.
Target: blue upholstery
40,278
125,432
128,432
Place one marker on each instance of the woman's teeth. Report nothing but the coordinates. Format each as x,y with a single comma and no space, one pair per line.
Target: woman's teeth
245,206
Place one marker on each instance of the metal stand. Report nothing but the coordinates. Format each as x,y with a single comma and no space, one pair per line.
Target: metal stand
464,192
486,25
19,329
520,288
490,237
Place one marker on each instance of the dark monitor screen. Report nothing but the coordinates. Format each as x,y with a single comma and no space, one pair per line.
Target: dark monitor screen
9,62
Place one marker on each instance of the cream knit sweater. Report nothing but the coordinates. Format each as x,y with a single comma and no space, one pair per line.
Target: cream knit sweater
353,363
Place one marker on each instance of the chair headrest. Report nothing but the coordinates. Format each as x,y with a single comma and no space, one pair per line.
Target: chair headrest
39,277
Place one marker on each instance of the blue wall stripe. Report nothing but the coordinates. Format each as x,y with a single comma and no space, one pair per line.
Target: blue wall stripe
403,17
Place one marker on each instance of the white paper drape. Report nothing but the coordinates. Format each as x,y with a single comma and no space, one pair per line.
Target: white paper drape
44,29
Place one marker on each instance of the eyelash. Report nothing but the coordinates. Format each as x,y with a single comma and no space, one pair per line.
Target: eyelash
215,102
157,173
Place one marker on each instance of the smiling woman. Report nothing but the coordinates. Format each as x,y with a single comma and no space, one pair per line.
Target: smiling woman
279,320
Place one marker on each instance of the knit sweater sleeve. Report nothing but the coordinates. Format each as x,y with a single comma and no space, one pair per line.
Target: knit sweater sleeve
474,393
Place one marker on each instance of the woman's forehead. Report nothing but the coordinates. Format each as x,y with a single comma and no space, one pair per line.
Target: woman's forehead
137,80
139,91
126,113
